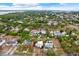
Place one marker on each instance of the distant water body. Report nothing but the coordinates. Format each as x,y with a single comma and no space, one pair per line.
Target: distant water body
6,12
2,13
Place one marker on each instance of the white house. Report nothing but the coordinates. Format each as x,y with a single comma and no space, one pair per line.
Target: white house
49,22
77,42
42,31
63,33
39,44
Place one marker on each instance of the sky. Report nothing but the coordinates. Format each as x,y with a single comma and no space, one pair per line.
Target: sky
40,6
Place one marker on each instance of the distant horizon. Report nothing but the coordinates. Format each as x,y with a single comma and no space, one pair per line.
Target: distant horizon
40,10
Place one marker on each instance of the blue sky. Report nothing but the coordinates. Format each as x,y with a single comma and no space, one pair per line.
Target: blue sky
39,6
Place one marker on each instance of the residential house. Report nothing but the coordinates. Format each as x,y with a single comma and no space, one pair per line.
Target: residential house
39,44
63,33
8,28
28,43
16,29
34,32
42,31
57,33
48,44
77,42
11,40
49,22
56,43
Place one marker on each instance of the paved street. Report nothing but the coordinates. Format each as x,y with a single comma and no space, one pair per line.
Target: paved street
11,50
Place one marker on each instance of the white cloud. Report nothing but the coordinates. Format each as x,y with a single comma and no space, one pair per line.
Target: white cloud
18,6
35,6
25,5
